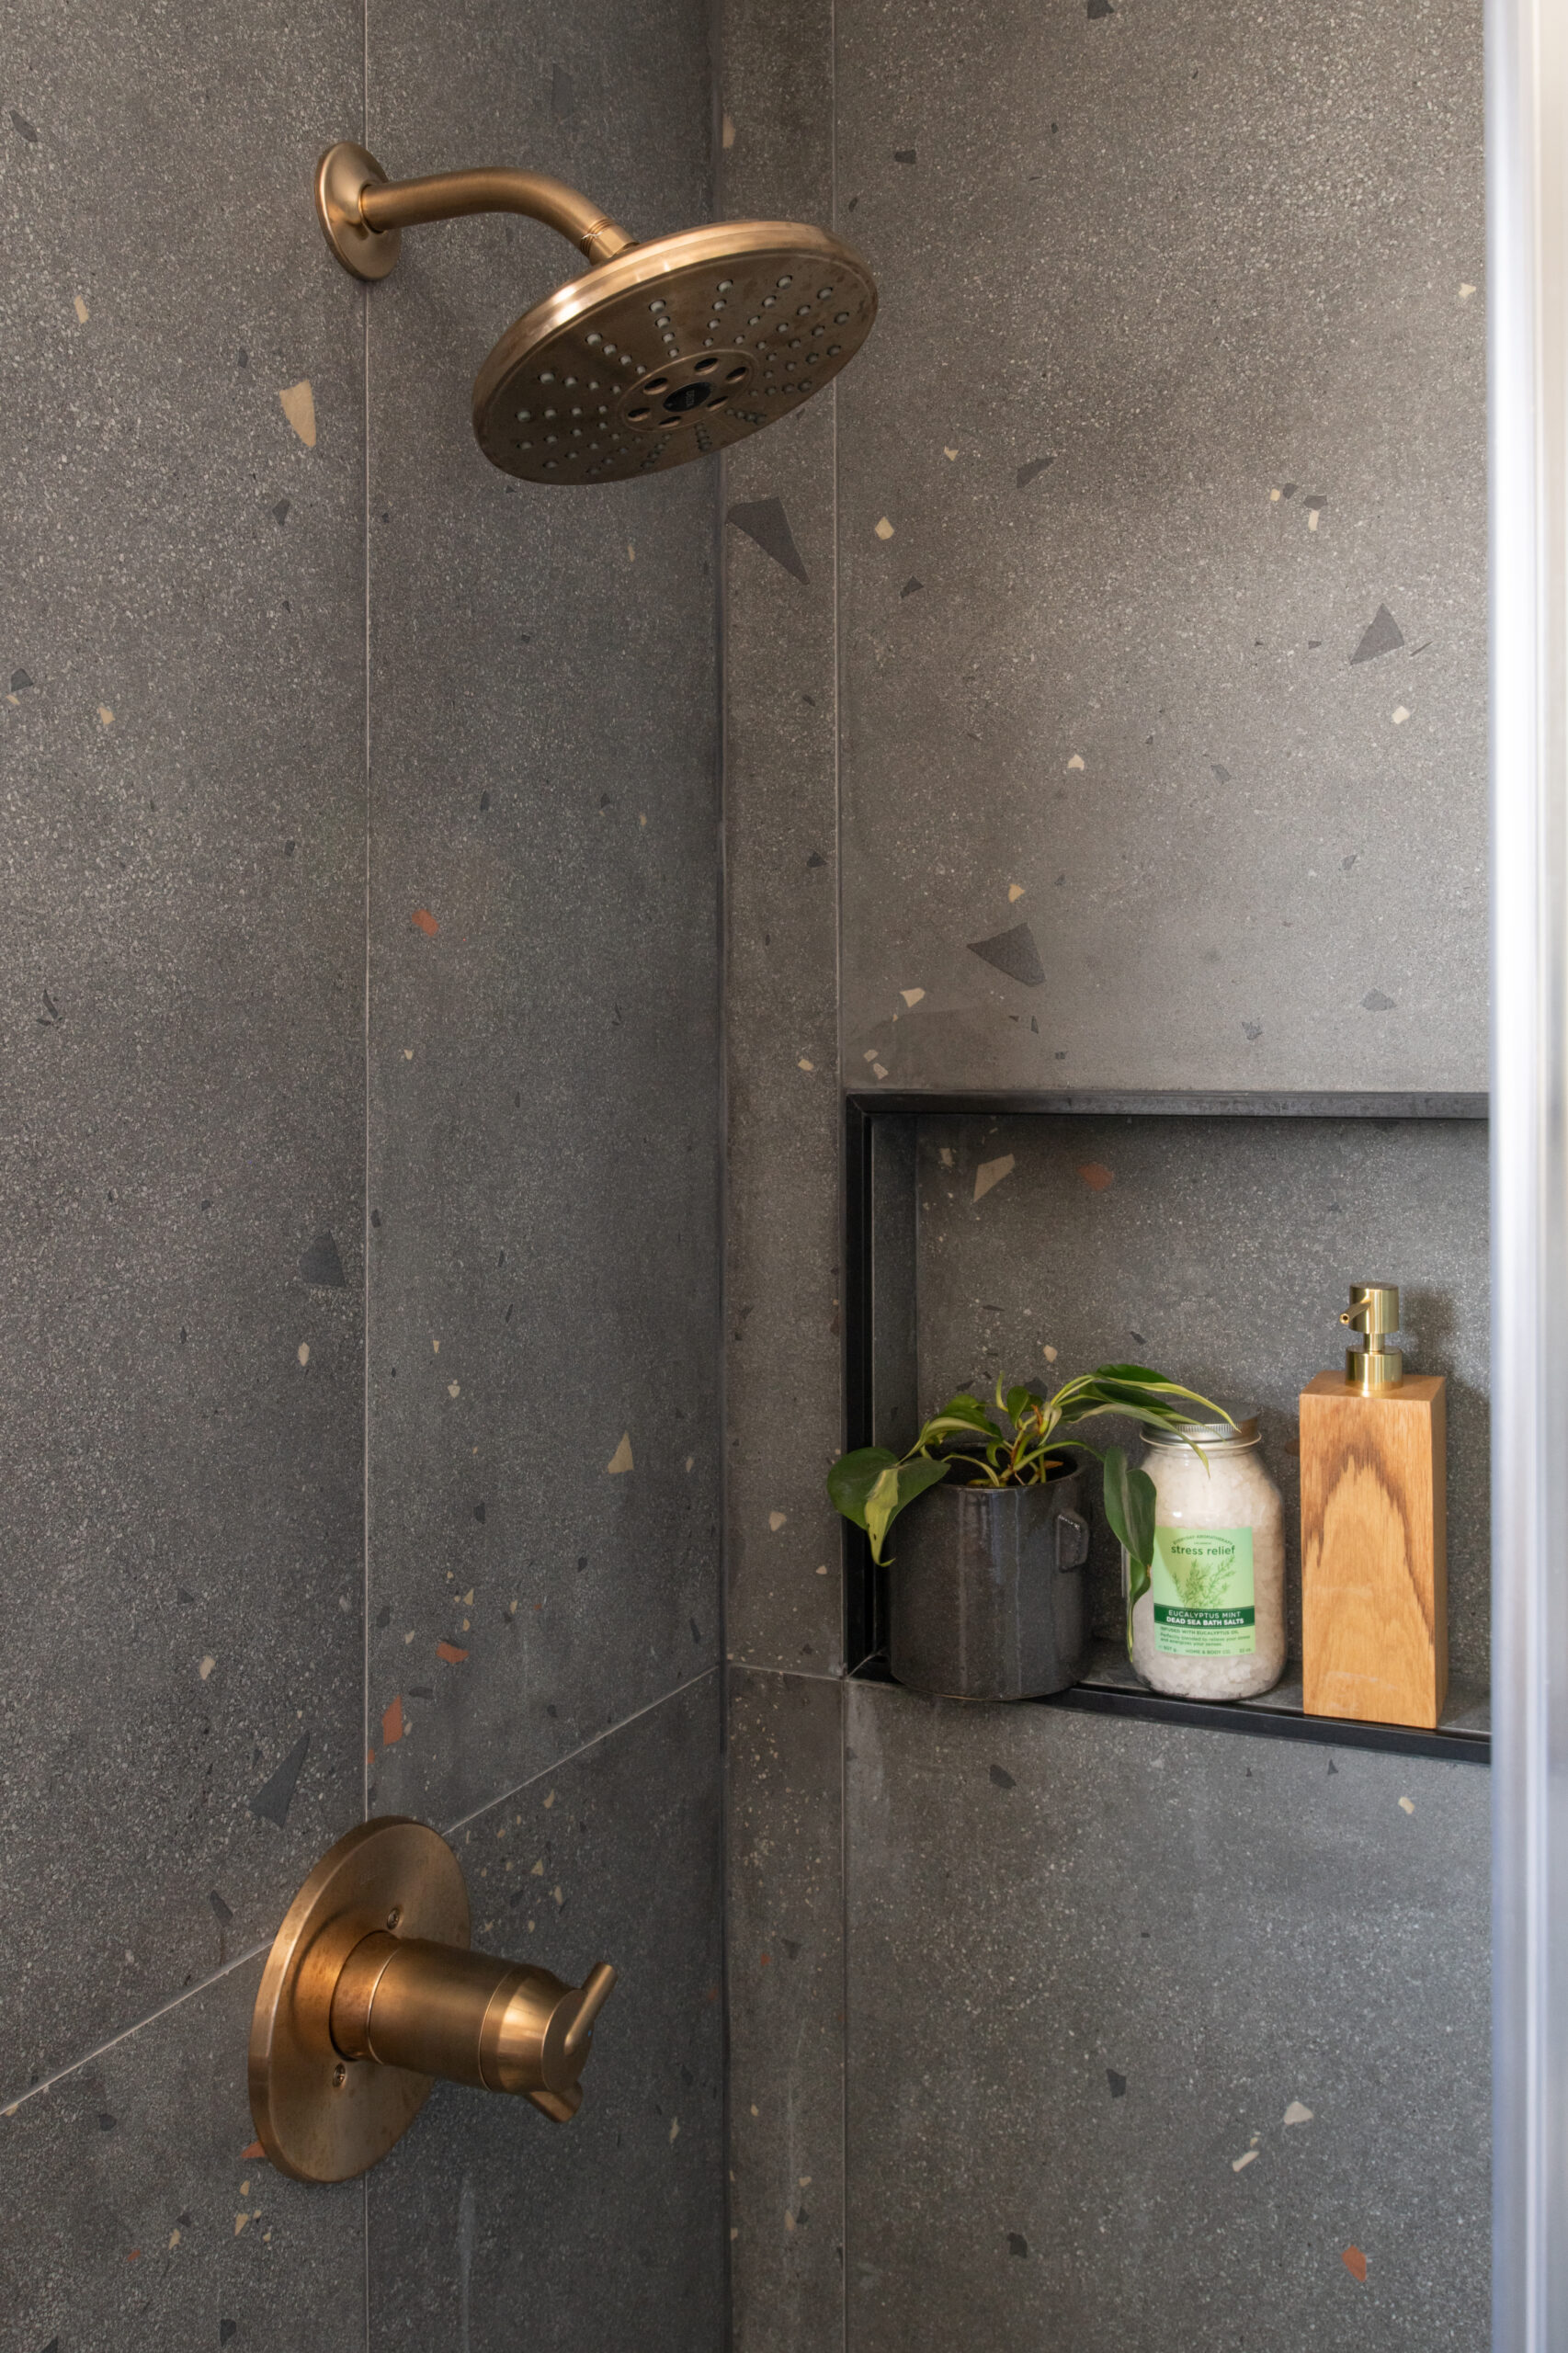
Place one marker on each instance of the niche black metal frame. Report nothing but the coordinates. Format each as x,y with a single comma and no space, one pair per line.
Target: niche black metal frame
880,1362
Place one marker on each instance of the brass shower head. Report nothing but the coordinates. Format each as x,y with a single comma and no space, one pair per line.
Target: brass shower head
658,353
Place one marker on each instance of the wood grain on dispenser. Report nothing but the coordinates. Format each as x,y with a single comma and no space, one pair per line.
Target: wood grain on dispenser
1374,1559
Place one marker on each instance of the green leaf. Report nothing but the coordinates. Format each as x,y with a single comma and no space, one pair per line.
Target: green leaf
896,1487
1160,1418
962,1412
1129,1508
1139,1376
942,1426
852,1477
1021,1400
1033,1466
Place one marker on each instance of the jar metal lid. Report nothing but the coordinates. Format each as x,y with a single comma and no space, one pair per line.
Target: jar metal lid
1241,1430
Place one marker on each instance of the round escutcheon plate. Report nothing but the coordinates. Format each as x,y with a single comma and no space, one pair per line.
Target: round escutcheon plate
344,172
320,2118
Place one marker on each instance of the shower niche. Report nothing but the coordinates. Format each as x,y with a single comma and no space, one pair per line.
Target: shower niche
1211,1235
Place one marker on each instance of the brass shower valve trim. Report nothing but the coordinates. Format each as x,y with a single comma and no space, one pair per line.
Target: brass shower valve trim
371,1992
657,354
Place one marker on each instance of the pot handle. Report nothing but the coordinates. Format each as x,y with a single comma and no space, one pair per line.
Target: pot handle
1071,1540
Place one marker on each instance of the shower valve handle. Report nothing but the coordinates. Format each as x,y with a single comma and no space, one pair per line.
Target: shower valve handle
441,2010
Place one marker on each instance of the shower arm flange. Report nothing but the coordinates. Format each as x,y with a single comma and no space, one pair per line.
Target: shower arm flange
363,213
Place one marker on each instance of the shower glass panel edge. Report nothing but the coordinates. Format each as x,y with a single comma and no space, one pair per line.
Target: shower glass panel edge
1527,193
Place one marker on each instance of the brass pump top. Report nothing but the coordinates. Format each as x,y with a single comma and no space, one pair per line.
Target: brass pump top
1373,1311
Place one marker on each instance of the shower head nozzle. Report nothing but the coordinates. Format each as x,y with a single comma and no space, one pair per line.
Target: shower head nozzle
657,354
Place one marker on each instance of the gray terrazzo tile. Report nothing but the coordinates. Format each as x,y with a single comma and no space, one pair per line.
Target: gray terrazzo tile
136,2221
786,2009
776,152
1220,1250
181,1104
783,1327
783,1393
1161,419
1100,1971
489,2225
783,1337
545,941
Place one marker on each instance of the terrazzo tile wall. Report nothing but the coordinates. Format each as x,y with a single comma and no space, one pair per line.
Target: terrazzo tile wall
359,1165
1105,708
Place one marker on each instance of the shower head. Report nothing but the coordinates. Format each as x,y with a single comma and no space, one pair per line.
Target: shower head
670,350
656,354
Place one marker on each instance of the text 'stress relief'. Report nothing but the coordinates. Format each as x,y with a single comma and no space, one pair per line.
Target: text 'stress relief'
1202,1590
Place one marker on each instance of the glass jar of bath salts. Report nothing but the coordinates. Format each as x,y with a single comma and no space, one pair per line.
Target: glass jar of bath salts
1212,1624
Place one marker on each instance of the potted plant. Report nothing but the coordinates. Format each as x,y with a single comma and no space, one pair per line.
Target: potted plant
988,1601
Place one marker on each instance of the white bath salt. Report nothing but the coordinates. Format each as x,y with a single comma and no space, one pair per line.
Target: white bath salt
1212,1624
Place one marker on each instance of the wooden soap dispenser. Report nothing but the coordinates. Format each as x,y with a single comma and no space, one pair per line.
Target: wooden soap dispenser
1374,1565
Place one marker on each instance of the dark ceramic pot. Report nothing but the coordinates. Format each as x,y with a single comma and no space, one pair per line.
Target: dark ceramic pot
985,1591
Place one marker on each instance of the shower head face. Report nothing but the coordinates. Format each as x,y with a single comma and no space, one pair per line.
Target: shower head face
671,350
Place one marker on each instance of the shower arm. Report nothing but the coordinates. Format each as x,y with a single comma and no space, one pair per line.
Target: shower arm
363,213
444,196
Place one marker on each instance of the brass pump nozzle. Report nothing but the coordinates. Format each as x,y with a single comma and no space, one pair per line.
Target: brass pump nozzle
1373,1311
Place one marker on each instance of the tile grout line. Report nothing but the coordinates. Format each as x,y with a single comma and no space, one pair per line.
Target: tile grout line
804,1674
365,1057
365,1204
254,1952
838,1077
721,653
504,1797
188,1994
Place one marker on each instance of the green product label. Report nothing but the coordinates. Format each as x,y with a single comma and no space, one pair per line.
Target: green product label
1202,1590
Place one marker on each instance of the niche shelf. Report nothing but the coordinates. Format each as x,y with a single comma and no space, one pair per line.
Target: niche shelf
915,1256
